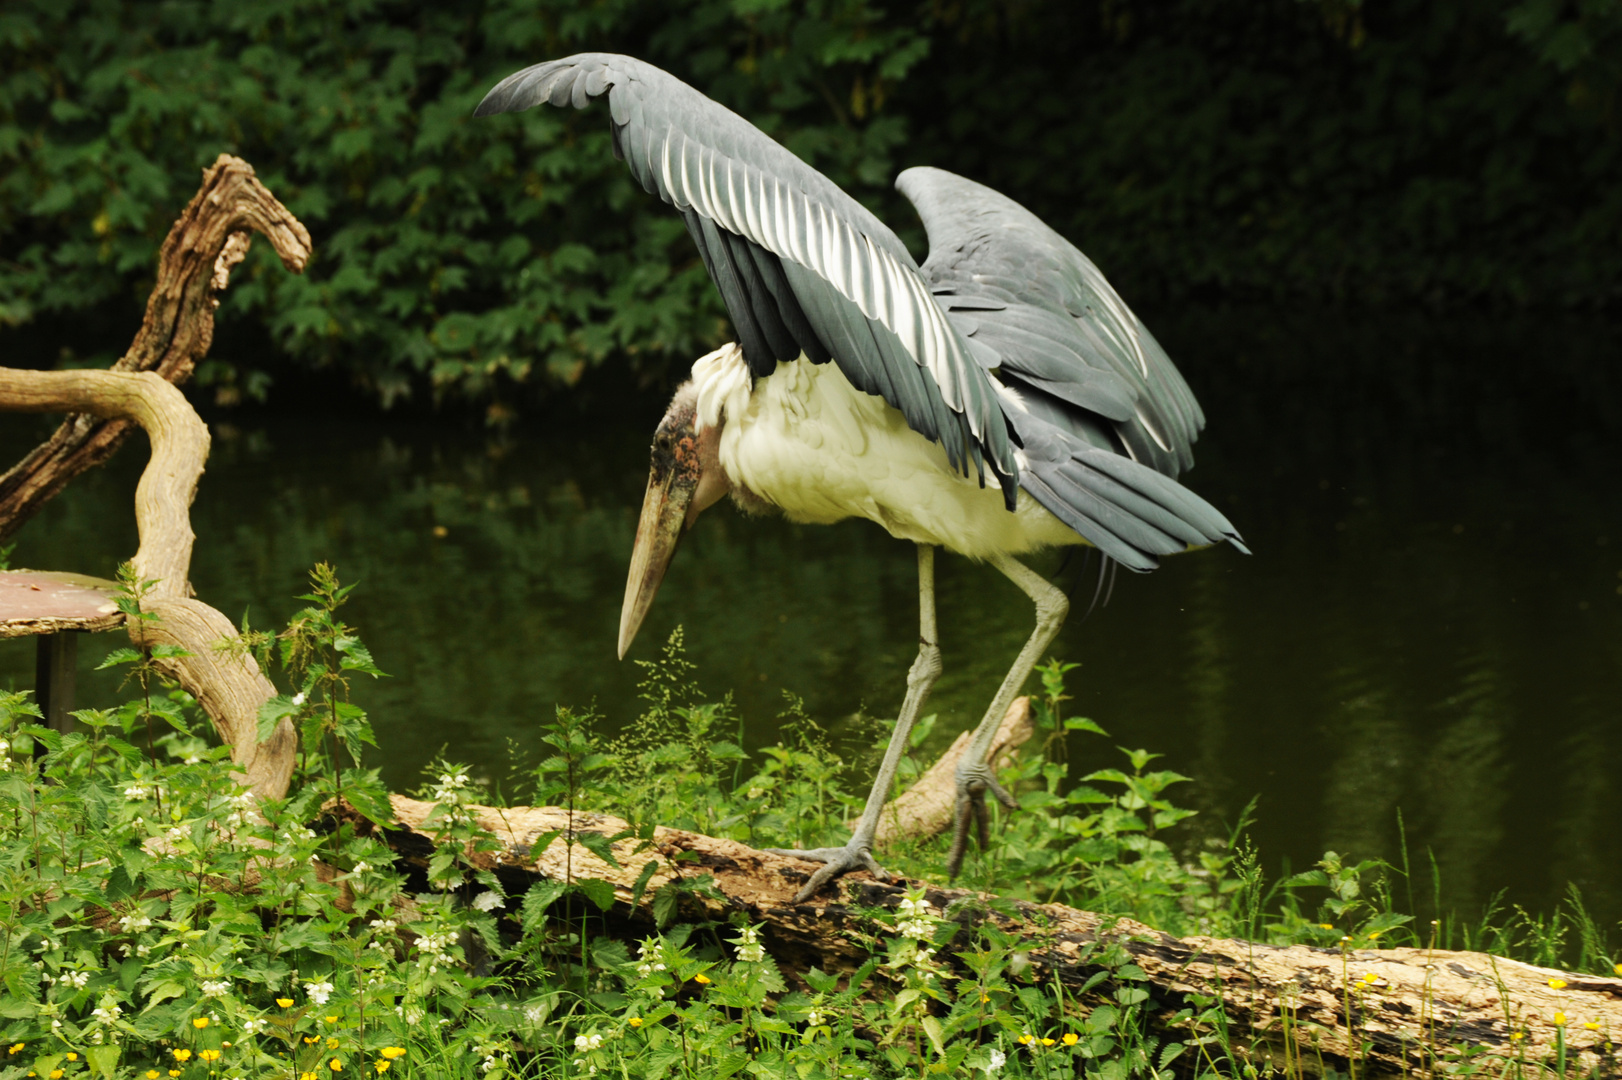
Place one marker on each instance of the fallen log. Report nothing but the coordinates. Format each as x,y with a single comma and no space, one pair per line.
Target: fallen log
1300,1009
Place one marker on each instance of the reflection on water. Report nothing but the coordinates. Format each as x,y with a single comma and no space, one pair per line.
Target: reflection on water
1431,625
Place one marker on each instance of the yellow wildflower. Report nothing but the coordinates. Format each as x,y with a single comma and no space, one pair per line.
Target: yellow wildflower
330,1019
381,1066
200,1023
72,1056
1326,926
182,1055
306,1076
152,1074
335,1065
1617,968
1557,984
1591,1025
310,1040
702,979
1517,1036
209,1055
392,1052
17,1049
1071,1038
226,1044
1559,1019
286,1003
56,1074
1047,1042
635,1021
174,1072
1026,1039
332,1044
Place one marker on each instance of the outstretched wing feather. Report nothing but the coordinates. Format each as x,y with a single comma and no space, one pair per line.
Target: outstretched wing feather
845,286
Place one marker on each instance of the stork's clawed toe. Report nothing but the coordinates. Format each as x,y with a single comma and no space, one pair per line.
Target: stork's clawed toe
970,809
836,862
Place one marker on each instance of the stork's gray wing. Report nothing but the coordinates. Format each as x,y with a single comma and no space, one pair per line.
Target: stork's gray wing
800,264
1104,418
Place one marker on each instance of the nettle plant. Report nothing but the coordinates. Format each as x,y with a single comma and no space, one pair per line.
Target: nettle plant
158,921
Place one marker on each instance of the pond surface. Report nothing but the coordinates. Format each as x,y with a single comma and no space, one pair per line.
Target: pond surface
1430,626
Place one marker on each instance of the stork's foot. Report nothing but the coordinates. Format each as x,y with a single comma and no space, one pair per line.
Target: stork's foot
973,781
837,862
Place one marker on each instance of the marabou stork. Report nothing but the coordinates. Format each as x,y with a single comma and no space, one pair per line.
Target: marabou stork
865,385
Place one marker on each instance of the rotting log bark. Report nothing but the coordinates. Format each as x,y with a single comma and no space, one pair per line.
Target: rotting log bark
925,809
225,681
1298,1007
195,262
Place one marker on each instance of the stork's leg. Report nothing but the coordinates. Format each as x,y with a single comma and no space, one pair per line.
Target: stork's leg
974,773
858,853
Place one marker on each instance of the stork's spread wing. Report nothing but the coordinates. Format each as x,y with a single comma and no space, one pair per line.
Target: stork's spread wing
801,265
1104,418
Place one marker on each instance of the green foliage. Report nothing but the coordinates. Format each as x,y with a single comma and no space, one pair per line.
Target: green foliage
1414,152
156,918
452,255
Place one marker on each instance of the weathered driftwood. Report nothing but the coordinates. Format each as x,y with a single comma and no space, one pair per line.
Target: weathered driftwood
1290,1005
226,682
210,238
925,809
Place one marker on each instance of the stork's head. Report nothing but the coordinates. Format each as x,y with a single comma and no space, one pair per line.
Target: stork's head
685,479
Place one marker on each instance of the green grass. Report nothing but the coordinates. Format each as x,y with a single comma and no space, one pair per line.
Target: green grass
153,925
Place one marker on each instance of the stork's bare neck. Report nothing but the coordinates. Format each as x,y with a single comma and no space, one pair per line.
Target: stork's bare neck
803,440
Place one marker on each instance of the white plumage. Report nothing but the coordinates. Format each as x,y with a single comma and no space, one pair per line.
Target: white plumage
816,448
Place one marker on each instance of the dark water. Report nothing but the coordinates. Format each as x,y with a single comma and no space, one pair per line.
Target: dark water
1431,623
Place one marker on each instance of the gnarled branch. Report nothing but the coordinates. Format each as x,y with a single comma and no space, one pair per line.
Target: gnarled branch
226,682
210,237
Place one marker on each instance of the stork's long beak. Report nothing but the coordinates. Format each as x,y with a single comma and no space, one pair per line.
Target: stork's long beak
664,514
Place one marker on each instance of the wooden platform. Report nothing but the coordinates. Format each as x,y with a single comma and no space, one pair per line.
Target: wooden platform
48,602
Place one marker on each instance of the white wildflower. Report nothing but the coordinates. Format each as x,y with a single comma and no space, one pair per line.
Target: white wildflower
583,1043
319,991
362,867
383,926
998,1060
134,923
488,901
216,987
298,698
106,1012
253,1027
135,792
750,951
815,1018
534,1014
